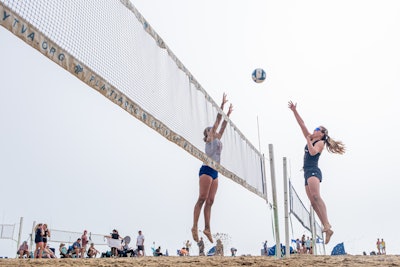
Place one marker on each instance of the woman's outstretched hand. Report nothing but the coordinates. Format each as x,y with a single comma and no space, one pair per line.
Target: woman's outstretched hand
292,106
224,100
230,110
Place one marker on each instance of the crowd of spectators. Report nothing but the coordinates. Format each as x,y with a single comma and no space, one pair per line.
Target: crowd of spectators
80,248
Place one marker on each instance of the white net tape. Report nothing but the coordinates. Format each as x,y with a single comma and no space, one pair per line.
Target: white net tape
112,48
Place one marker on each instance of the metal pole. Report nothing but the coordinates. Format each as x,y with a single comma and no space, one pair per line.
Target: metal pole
32,238
313,235
21,220
285,186
278,253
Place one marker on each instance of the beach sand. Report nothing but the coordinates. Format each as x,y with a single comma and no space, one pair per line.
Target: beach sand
192,261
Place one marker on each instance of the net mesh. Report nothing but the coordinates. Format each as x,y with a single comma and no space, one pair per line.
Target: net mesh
113,49
301,213
7,231
69,237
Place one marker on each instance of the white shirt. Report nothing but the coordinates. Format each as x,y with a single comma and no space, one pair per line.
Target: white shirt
140,240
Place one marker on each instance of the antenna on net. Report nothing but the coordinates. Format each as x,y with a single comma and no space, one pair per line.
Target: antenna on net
258,131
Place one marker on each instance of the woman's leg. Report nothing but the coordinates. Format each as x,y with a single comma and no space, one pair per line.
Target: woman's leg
205,182
36,255
207,208
313,193
40,250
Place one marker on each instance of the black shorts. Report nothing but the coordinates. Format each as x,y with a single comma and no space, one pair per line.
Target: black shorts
209,171
316,172
140,248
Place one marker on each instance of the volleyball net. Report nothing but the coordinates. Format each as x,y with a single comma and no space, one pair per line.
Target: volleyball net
113,49
69,237
7,231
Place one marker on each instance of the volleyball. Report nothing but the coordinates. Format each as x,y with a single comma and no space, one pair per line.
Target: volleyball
259,75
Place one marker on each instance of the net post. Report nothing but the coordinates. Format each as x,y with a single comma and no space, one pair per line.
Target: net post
314,233
32,238
278,253
285,191
21,220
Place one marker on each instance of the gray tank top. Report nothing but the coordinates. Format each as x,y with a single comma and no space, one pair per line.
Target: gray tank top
213,149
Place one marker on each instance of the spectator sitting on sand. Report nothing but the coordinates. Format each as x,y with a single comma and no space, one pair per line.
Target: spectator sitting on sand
64,251
23,250
183,252
92,252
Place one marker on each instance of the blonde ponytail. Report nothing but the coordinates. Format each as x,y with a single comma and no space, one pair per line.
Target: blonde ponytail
336,147
333,146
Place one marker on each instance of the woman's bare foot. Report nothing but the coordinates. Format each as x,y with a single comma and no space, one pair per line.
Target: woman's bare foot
195,234
207,232
328,235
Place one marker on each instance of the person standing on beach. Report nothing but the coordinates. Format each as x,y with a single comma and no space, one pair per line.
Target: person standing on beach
188,245
312,174
201,247
208,177
378,246
298,246
114,247
303,244
308,245
265,246
140,244
46,235
383,247
85,241
39,233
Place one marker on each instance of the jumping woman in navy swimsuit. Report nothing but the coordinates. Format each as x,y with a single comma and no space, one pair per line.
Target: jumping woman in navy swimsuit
208,177
312,174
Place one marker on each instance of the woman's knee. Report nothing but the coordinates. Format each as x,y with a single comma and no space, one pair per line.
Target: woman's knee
315,198
201,200
210,201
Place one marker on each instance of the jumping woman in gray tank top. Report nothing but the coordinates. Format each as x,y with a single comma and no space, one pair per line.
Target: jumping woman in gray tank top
208,177
312,174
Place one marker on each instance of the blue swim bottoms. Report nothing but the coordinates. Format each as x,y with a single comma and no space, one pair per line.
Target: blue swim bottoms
316,172
208,171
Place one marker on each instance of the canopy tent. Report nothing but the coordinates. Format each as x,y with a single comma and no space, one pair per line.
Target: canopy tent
338,249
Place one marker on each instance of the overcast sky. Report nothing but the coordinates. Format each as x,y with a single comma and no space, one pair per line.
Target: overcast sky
71,158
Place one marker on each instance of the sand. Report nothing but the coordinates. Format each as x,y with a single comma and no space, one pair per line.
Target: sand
192,261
